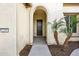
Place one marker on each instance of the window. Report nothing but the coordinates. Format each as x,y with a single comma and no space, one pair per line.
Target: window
70,19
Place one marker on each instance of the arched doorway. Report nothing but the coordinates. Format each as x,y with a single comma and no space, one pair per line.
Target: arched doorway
40,25
40,22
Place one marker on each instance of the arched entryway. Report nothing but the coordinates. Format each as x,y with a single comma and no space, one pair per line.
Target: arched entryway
40,23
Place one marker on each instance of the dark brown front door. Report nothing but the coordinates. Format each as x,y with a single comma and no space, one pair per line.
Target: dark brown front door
39,27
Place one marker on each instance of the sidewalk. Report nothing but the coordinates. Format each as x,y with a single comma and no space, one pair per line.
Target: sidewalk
75,52
39,48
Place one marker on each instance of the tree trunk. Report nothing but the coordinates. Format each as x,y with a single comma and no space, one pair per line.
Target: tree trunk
56,37
66,40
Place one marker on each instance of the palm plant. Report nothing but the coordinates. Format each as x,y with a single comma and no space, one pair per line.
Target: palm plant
55,25
68,31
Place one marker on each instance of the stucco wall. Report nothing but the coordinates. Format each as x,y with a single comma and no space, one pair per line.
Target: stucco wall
55,12
22,26
8,20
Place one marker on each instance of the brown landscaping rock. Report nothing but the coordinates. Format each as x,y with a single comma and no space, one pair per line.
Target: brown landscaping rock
25,51
61,51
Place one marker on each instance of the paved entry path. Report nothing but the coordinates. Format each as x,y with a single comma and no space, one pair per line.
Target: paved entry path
75,52
39,47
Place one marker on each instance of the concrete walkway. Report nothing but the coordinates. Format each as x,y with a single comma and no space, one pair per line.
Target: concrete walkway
75,52
39,48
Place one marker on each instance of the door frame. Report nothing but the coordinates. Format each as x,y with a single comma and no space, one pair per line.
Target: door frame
40,20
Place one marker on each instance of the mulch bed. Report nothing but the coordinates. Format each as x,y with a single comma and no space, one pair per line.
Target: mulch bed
25,51
60,51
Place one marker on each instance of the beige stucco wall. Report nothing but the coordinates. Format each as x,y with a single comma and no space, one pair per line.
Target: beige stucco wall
22,26
8,20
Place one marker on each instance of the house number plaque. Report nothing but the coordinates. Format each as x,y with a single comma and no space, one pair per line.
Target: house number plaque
4,30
